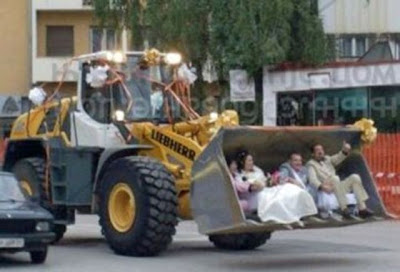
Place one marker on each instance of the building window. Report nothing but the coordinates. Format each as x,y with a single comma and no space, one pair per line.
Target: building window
361,46
295,109
352,46
59,41
340,106
385,108
345,47
397,50
102,39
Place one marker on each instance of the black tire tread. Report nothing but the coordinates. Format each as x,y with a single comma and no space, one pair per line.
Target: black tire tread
38,165
159,226
246,241
38,257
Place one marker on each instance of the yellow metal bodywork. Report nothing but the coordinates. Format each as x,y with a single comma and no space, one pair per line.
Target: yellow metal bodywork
26,187
175,145
122,207
27,125
178,145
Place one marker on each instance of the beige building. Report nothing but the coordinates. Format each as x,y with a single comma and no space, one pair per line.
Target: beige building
38,38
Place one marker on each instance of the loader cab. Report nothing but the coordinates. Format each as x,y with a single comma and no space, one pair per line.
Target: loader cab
138,94
122,90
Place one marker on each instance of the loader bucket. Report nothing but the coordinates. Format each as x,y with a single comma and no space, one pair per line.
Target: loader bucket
214,202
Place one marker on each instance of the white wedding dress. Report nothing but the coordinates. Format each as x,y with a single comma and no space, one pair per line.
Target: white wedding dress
283,204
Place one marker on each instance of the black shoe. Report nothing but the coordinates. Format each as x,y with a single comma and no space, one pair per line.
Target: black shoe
365,213
347,214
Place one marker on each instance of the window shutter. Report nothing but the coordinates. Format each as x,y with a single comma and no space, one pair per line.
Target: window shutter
60,41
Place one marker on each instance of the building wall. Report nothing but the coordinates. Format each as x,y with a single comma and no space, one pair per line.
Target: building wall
80,20
14,47
360,16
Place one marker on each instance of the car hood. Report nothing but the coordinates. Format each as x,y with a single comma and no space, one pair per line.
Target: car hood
23,210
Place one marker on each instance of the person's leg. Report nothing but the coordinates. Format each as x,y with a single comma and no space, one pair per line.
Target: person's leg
313,192
353,184
340,192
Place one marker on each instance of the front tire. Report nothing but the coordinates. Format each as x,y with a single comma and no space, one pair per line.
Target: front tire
246,241
38,257
138,206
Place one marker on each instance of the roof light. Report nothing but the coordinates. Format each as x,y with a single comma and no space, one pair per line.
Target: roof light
173,58
109,56
117,56
213,117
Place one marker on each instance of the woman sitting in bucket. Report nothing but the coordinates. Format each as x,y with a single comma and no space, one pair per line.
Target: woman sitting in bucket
283,204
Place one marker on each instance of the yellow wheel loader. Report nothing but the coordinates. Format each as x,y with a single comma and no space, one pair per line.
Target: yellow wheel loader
130,148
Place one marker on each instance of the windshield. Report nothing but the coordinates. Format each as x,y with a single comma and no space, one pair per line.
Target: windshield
140,95
9,189
145,86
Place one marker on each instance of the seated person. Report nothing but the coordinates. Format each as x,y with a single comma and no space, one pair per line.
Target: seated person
322,175
296,173
156,100
247,192
283,204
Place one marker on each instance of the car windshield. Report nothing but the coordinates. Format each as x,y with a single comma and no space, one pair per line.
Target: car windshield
10,189
145,91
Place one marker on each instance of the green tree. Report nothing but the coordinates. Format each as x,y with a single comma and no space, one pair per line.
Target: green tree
247,34
308,41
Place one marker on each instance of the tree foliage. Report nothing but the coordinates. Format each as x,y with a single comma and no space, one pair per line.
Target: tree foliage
247,34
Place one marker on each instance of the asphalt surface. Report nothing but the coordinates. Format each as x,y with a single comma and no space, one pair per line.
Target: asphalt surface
368,247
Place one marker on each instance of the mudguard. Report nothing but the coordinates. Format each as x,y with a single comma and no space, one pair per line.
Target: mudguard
111,154
214,202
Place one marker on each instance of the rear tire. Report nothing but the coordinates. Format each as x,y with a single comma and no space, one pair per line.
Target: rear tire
38,257
32,171
138,206
246,241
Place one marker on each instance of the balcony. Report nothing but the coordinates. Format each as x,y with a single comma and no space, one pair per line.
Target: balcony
61,5
50,69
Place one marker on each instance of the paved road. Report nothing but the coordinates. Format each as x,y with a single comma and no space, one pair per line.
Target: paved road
370,247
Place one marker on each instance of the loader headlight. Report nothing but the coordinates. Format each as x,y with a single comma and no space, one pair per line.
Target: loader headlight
119,115
213,117
42,226
173,58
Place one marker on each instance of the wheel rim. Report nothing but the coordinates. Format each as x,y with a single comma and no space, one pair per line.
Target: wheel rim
26,187
122,207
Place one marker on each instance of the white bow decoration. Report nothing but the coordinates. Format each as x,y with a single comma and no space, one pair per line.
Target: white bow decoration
37,95
97,76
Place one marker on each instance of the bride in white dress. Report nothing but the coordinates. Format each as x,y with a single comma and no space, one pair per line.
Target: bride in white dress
283,204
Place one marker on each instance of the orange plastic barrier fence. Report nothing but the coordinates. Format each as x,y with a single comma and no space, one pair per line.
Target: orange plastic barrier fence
383,157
